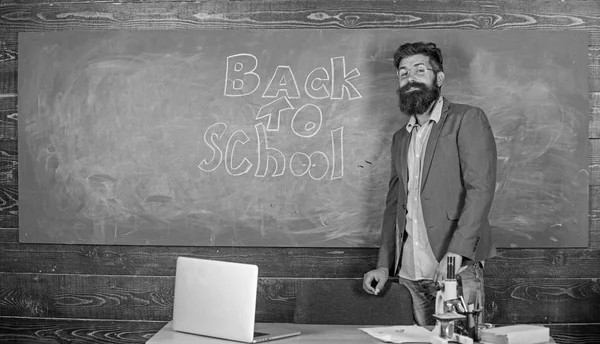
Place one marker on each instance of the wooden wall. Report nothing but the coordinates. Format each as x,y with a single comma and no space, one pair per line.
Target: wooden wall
86,293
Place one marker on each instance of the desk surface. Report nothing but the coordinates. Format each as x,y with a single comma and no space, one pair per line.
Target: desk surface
310,334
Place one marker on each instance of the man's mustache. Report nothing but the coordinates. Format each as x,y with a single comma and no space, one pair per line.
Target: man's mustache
418,85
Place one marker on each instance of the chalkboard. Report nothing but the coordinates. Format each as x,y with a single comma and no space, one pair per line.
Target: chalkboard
281,137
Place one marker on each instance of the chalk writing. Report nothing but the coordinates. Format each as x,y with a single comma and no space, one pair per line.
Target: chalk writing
241,80
306,122
265,154
287,83
274,108
317,89
310,128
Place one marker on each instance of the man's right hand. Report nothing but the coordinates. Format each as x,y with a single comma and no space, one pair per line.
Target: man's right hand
380,275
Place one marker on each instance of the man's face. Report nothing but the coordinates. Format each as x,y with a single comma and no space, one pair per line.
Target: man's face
418,85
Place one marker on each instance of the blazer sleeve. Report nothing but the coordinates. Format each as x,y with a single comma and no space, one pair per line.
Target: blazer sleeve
478,156
387,249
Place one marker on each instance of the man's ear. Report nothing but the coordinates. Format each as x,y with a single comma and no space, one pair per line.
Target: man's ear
440,76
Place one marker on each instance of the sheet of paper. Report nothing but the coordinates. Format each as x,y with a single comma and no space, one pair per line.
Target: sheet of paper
401,334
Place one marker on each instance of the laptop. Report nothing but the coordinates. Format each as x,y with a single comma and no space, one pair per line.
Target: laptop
218,299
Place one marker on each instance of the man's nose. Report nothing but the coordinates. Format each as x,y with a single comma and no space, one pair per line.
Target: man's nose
408,81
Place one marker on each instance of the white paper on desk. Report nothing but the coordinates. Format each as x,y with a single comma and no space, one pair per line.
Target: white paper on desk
401,334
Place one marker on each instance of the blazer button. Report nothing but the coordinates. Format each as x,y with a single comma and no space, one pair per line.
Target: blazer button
404,206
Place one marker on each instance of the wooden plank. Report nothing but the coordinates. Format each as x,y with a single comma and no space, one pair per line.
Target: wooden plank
9,220
543,263
533,300
594,153
120,297
594,218
9,102
160,260
508,300
504,4
8,178
8,82
8,66
28,330
575,333
8,127
543,15
540,7
594,80
594,56
272,261
594,115
32,330
9,235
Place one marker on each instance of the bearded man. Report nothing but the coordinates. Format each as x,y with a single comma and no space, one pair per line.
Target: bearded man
443,178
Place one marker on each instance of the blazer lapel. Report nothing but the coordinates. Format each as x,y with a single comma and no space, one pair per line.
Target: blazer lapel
432,143
404,143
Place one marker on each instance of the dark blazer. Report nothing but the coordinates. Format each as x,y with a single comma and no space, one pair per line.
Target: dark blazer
457,188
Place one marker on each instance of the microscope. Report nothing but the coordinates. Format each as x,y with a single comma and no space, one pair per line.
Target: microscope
450,307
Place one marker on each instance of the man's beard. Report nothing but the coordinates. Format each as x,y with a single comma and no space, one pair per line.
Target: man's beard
417,101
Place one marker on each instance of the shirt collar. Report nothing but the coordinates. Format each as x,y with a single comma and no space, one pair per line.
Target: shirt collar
436,114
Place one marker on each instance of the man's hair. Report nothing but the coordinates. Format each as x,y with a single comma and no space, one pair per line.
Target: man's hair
420,48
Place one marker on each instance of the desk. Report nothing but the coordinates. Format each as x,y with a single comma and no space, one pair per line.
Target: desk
310,334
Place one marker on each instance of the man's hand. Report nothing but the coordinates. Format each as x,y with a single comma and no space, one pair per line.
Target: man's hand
379,275
441,270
